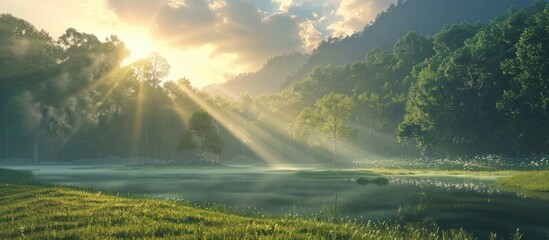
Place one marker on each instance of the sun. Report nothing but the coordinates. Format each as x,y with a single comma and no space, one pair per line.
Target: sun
139,44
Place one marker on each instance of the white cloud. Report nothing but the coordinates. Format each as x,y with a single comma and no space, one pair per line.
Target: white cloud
284,5
231,26
176,3
310,35
205,39
355,14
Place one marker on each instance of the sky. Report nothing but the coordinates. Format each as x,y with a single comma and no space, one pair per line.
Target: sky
206,41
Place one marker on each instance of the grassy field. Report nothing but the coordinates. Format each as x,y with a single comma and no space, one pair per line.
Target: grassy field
534,183
530,183
376,172
488,163
33,211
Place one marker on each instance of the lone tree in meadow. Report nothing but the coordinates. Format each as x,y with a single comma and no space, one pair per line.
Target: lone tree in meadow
327,118
202,136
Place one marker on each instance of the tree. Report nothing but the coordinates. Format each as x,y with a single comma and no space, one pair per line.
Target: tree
487,95
152,70
526,103
149,73
411,50
27,57
203,136
329,117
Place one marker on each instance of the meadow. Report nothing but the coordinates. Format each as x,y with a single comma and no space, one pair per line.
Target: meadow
30,210
533,183
528,176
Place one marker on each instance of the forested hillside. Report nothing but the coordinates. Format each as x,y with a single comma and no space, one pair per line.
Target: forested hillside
467,89
489,95
424,17
266,80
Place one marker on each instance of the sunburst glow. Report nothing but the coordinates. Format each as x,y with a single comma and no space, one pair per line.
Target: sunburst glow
140,45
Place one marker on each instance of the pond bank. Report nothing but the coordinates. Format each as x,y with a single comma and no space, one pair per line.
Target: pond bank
41,211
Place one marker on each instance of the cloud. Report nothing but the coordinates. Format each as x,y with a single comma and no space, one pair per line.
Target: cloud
251,30
230,26
284,5
353,15
310,35
240,35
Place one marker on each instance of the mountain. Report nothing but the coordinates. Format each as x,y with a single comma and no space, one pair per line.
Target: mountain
424,17
267,80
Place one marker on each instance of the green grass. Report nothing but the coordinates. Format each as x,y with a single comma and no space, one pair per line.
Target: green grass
64,213
530,183
52,212
534,183
442,172
372,172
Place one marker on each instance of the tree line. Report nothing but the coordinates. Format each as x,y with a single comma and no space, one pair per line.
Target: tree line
74,98
468,89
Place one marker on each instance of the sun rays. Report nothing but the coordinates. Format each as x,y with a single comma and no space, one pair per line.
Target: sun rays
268,139
109,80
272,144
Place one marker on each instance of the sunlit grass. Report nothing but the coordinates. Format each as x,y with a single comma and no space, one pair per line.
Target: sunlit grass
50,212
529,183
535,183
353,173
482,166
441,172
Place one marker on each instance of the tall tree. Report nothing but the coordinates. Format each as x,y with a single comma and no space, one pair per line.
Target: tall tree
151,98
152,69
329,117
203,135
27,57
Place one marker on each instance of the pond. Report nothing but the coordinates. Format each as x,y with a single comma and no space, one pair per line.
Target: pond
452,202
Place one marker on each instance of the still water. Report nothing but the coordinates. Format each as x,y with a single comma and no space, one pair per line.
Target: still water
452,202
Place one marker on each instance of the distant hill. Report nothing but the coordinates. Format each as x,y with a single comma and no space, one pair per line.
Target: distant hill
425,17
267,80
